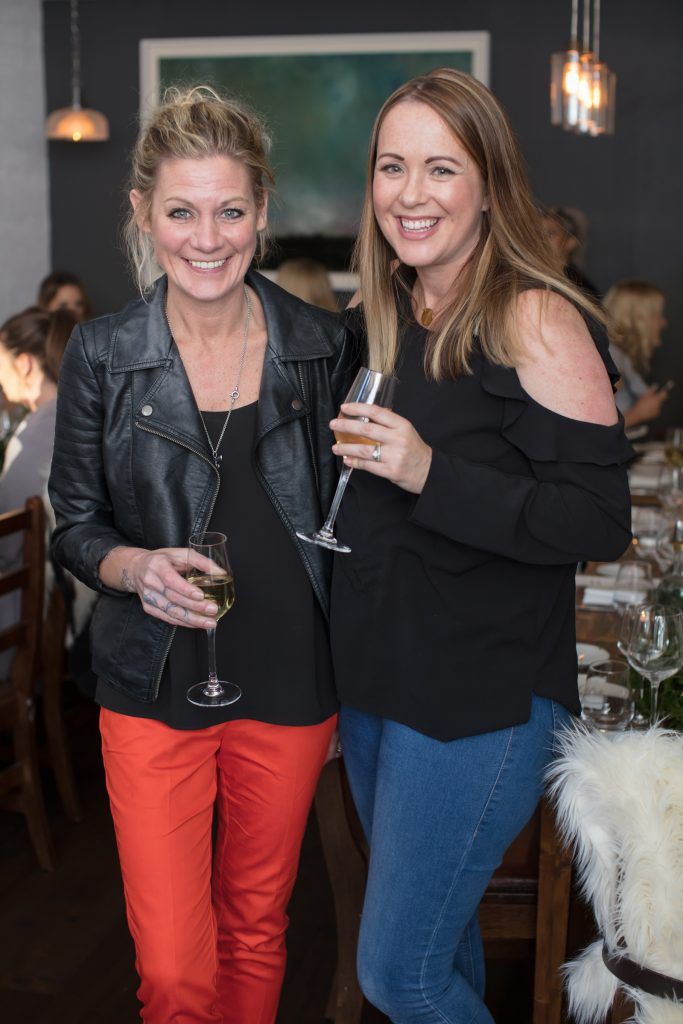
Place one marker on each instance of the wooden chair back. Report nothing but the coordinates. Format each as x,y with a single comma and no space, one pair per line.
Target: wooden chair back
20,787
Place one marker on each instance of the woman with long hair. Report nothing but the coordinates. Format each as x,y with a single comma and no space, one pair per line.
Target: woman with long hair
637,312
501,465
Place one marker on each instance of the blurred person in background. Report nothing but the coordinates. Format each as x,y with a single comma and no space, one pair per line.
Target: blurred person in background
32,344
63,290
567,230
637,312
308,280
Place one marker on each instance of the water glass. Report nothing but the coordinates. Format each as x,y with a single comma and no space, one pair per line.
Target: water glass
607,696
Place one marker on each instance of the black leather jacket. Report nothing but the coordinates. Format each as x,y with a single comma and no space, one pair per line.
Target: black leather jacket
131,463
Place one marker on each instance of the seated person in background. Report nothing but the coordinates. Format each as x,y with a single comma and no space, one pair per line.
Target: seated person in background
566,229
637,312
308,280
31,347
63,290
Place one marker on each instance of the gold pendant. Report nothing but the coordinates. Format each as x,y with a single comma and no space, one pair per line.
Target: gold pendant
427,316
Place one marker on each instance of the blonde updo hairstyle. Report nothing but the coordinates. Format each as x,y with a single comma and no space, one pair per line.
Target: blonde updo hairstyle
191,124
635,308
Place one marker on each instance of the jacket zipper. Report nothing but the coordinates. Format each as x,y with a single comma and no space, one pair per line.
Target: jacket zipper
308,427
195,451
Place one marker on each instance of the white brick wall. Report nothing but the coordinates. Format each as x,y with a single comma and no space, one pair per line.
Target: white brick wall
24,212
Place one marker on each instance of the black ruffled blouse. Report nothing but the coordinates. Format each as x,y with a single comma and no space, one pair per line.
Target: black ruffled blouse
456,605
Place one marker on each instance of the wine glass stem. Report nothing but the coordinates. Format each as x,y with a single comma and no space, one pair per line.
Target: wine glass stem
327,529
654,700
213,687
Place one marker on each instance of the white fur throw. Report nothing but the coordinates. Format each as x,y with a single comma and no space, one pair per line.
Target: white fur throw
619,802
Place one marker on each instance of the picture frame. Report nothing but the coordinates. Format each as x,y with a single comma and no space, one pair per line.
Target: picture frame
319,95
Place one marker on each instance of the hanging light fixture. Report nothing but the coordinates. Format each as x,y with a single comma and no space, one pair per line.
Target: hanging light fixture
582,87
76,123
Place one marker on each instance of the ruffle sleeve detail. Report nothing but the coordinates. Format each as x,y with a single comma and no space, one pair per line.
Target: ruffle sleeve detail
546,436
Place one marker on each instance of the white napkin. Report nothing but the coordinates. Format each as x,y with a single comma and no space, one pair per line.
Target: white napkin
644,477
602,598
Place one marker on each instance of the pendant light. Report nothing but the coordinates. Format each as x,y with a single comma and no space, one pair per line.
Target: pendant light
582,87
76,123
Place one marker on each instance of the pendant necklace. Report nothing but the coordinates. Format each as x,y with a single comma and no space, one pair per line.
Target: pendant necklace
235,393
426,316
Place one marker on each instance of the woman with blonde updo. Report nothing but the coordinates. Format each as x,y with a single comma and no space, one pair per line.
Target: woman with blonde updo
637,311
204,406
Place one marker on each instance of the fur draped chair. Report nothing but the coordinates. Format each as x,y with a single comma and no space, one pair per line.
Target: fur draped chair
619,802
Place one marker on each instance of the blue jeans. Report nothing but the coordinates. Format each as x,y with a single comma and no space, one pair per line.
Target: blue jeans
438,817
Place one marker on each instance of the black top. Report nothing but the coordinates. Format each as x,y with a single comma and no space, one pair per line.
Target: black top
273,642
457,604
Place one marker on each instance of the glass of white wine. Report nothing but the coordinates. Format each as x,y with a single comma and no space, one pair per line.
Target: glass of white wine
373,388
214,578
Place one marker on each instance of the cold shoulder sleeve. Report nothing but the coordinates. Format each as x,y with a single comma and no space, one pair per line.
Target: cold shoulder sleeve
573,505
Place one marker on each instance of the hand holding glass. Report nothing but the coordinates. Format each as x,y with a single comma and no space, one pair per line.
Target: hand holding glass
214,578
373,388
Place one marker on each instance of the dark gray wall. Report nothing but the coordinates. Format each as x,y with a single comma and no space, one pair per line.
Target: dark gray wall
630,186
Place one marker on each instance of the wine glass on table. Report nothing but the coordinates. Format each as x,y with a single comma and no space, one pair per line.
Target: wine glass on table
632,584
213,575
670,489
628,619
673,446
654,647
373,388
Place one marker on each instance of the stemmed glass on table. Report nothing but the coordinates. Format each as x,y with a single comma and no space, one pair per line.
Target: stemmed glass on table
632,584
373,388
670,489
653,644
214,578
673,449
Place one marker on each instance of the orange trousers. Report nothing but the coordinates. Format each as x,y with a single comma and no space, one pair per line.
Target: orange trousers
209,931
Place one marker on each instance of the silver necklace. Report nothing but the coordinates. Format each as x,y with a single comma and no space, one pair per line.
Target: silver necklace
235,393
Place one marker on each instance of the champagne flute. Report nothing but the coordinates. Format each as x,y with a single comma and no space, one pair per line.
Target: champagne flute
373,388
214,578
655,647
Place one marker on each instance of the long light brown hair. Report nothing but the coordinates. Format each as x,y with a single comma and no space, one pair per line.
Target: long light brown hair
634,307
192,124
511,255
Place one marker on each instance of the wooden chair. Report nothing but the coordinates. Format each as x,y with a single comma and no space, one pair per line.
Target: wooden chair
20,787
52,672
528,899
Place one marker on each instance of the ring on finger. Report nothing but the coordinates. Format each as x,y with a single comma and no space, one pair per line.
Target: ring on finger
377,452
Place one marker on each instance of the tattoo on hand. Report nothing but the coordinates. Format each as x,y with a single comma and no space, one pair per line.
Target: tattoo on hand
149,598
127,582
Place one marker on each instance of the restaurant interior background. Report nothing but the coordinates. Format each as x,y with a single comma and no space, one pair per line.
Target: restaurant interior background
61,203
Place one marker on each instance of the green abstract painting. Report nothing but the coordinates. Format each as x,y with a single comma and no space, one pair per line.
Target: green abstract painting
320,108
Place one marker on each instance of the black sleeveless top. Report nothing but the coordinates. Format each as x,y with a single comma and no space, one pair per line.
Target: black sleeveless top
274,641
456,605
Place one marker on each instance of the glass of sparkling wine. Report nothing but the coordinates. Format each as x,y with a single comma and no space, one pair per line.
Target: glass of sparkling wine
214,578
373,388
